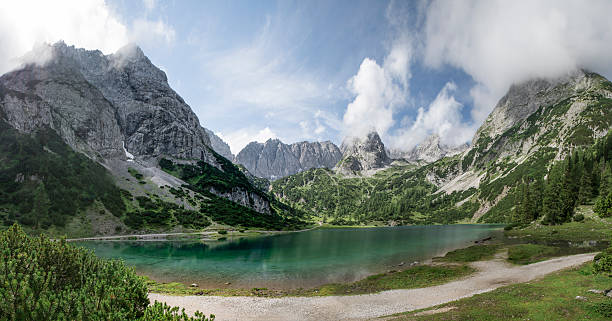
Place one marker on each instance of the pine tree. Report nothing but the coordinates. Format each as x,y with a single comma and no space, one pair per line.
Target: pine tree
605,183
552,200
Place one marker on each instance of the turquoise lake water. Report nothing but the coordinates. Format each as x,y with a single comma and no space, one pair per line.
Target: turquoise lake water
292,260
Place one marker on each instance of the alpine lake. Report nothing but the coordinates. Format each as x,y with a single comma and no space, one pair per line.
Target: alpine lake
292,260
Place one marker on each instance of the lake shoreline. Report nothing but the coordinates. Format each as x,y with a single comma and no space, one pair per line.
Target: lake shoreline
492,274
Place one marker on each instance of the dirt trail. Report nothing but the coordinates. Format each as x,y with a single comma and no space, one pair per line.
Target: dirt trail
491,275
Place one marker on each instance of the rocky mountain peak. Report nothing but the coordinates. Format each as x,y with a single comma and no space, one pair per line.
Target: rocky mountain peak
219,146
429,150
275,159
523,99
98,102
363,153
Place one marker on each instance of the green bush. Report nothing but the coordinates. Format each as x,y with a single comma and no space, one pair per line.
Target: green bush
604,308
42,279
163,312
602,263
578,218
603,206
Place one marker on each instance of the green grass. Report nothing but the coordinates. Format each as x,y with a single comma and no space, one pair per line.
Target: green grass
531,253
551,298
413,277
588,230
471,254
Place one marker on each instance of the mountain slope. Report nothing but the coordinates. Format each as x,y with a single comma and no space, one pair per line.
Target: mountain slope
119,111
536,123
274,159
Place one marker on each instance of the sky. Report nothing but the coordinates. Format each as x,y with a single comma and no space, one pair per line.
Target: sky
326,70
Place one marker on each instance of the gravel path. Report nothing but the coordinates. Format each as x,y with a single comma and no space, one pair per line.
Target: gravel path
491,275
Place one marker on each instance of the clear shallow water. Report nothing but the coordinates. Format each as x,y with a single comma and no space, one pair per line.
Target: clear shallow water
292,260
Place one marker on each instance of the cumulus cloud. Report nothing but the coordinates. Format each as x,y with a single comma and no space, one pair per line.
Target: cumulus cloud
90,24
378,90
86,24
146,31
501,42
442,117
237,140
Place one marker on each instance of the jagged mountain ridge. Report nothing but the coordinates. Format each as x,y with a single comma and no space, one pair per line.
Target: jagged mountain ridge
218,145
428,151
536,123
119,110
363,153
275,159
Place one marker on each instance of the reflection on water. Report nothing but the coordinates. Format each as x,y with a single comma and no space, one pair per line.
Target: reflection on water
292,260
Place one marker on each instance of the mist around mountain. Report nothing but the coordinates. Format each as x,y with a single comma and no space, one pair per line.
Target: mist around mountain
536,126
100,144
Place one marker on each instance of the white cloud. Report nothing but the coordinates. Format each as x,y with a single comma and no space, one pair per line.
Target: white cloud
149,5
261,75
237,140
86,24
500,42
89,24
442,117
150,32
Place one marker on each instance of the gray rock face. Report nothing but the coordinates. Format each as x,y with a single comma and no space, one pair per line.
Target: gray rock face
58,96
154,119
218,145
97,102
363,154
430,150
525,98
274,159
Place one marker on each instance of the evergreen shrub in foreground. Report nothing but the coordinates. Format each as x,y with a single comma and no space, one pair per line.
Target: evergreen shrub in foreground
42,279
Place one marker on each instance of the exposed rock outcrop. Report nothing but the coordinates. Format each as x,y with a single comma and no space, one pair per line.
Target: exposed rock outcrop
218,145
274,159
429,150
116,107
363,153
96,102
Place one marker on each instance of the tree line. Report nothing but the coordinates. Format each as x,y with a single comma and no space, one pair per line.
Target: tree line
584,176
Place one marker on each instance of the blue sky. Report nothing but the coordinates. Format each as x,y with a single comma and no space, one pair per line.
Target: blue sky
324,70
252,69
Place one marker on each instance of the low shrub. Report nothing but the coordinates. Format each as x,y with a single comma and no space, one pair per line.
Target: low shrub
42,279
602,263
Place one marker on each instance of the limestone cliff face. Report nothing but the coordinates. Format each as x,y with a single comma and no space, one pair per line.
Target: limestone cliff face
98,101
274,159
219,146
365,153
429,150
557,113
100,104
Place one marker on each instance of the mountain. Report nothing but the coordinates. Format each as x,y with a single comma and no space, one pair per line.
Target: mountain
363,153
274,159
535,125
218,145
428,151
85,136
